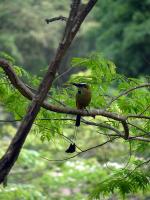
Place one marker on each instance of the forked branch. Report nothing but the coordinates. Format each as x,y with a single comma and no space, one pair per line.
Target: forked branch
12,153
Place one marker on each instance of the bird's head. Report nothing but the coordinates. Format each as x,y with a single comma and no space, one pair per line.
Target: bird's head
81,85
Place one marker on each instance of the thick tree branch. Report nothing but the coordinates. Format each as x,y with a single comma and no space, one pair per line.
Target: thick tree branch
126,129
15,81
72,15
12,153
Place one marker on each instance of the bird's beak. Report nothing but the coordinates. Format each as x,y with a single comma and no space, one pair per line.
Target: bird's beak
75,84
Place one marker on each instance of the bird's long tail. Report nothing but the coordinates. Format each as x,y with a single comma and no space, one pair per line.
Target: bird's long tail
78,120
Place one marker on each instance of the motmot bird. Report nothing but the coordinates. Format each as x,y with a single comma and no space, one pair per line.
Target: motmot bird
83,98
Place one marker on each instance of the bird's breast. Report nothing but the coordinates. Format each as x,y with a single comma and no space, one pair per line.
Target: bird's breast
83,98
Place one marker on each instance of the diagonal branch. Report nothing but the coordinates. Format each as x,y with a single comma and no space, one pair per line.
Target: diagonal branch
147,107
138,128
126,92
73,12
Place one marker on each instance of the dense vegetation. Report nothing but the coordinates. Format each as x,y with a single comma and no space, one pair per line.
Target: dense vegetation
123,34
123,173
120,168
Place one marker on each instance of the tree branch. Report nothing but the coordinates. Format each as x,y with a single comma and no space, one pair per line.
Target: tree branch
138,116
12,153
103,126
26,92
126,129
145,110
72,15
139,138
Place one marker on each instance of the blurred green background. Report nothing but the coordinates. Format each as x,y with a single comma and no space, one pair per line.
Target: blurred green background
120,30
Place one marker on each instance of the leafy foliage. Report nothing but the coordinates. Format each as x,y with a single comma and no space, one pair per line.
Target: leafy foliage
124,182
56,128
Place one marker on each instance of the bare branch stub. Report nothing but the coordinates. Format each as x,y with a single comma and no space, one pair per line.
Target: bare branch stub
56,19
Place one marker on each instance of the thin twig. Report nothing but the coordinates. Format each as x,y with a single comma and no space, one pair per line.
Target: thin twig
48,95
138,166
145,110
138,128
60,75
91,148
139,139
138,116
126,92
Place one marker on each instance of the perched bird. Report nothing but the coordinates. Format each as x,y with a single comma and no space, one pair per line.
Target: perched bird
83,98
